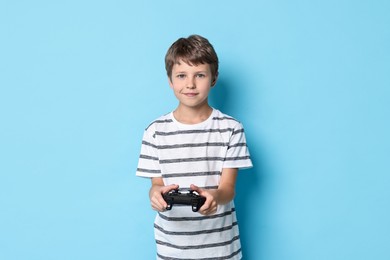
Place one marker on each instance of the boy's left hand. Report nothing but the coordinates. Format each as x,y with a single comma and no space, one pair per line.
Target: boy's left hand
210,206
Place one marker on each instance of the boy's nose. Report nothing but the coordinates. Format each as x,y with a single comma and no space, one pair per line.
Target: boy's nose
190,83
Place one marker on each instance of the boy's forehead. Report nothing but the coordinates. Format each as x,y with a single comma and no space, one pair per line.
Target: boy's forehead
187,64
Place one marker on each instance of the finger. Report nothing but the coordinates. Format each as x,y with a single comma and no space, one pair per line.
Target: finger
159,206
158,203
210,209
154,205
206,206
163,204
155,202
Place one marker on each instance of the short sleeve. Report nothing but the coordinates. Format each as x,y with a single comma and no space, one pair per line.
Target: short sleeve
237,155
148,163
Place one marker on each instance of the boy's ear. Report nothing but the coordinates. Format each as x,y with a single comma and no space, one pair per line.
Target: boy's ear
170,82
214,80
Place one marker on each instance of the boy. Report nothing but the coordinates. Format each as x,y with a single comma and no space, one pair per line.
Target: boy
195,147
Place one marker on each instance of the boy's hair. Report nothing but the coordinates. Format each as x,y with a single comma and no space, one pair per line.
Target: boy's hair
193,50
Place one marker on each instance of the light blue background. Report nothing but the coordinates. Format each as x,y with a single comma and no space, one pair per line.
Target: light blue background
80,80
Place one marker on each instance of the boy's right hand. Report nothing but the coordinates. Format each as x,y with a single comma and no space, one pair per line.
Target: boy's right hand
155,194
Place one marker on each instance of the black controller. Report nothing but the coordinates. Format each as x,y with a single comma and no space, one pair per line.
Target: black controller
191,198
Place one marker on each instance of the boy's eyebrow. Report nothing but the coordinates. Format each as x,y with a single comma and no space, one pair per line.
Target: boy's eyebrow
200,71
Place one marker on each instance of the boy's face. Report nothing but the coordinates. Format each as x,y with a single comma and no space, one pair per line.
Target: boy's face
191,84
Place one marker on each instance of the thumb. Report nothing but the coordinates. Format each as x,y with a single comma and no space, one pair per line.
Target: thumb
195,188
169,188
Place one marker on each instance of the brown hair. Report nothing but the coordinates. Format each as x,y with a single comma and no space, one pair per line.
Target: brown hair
193,50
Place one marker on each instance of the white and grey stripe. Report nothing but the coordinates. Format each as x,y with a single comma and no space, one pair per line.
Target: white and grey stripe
207,258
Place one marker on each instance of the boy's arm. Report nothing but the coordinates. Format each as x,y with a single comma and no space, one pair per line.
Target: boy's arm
155,193
223,195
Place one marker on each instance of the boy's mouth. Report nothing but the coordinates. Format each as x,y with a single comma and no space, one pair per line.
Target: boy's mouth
190,94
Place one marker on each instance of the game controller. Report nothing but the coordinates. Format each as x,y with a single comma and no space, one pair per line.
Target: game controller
191,198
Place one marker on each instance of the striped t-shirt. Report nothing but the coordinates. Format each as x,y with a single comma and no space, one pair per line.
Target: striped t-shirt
194,154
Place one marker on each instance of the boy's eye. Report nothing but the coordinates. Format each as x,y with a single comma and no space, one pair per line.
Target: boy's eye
201,75
180,76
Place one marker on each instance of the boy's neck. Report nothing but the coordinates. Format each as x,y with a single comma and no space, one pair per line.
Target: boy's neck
191,116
